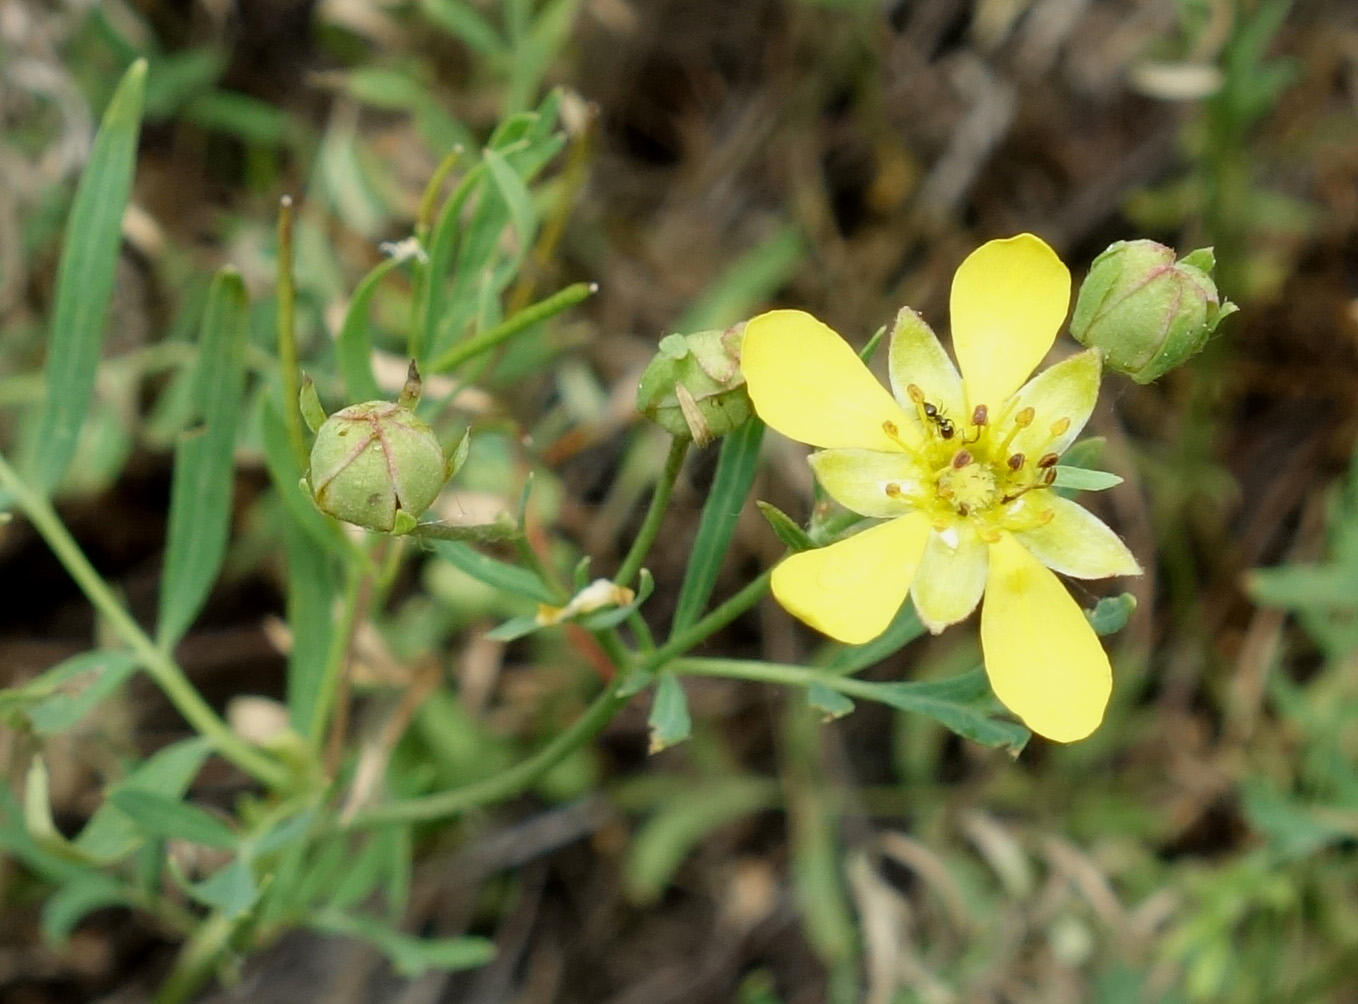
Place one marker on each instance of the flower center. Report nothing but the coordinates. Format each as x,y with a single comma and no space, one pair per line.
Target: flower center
965,484
980,471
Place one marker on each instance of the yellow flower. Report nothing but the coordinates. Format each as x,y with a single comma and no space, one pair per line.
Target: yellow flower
960,467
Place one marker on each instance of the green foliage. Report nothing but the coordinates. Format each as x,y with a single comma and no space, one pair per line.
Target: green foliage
334,800
85,279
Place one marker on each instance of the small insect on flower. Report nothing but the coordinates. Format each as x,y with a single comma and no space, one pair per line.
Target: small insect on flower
967,506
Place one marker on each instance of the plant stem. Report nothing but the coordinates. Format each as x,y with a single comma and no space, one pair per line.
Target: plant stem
357,584
505,784
650,526
772,672
607,704
288,366
159,665
572,295
721,615
196,960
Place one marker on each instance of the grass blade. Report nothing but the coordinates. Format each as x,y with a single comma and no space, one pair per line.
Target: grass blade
204,468
311,595
89,258
735,474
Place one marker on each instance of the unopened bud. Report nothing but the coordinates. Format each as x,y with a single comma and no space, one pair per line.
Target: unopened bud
377,464
1145,311
694,387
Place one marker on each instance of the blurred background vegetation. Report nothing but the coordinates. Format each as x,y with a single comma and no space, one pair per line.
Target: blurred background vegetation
718,157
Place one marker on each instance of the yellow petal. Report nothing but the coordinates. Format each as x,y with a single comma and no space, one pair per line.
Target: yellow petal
809,384
916,357
950,578
1061,396
859,479
1075,542
1008,301
1044,661
852,589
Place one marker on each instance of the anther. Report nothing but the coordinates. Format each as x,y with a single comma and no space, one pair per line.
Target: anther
961,459
1050,476
1015,461
914,393
1060,426
1048,460
1025,418
893,490
980,415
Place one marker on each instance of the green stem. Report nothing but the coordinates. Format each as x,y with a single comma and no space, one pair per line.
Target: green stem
720,616
335,657
505,784
572,295
773,672
196,961
159,665
288,366
650,526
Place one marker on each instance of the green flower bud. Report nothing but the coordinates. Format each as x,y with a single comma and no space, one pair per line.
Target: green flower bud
1145,311
694,387
376,464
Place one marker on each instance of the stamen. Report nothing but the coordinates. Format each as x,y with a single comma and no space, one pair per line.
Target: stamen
1048,460
961,459
1015,461
1021,421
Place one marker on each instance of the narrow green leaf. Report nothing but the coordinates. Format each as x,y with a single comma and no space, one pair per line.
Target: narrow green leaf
363,871
281,834
247,118
63,695
231,889
110,834
410,956
463,22
65,908
492,571
785,528
736,468
159,815
831,702
1081,479
754,278
669,721
517,199
963,703
353,348
89,259
312,588
681,822
514,628
204,468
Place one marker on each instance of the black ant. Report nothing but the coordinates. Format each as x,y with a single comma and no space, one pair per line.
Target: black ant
935,415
